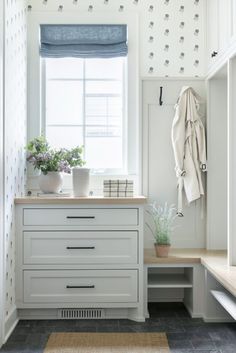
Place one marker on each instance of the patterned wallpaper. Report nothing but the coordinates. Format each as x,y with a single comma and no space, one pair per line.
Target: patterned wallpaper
14,132
172,39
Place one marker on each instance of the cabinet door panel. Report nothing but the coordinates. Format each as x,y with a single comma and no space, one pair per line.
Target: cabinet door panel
84,247
81,286
80,216
212,29
224,24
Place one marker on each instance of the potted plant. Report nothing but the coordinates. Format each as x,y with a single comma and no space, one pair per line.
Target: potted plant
52,163
163,219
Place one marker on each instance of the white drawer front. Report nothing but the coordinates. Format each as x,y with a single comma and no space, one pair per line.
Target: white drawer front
83,247
80,286
80,216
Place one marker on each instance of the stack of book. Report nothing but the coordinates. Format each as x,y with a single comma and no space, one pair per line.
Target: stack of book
118,188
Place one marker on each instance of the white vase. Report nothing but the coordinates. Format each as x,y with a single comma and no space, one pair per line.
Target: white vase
81,177
50,182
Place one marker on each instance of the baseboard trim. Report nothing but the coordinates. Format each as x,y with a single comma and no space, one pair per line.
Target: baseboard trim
11,323
165,300
216,319
52,314
192,314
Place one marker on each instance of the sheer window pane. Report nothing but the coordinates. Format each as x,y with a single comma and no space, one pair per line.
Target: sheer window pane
87,110
104,68
64,68
65,137
104,87
96,120
96,106
114,106
104,152
105,131
64,102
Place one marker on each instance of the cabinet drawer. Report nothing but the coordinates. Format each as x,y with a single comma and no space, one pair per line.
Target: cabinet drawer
83,247
80,216
80,286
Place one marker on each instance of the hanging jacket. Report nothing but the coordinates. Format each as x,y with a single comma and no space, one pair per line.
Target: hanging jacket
189,145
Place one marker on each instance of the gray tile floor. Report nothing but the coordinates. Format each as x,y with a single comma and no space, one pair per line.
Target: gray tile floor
185,335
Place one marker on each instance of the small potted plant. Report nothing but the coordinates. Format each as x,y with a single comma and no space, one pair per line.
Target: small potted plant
163,219
52,163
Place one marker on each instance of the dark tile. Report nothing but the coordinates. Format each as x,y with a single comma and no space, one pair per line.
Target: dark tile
203,344
180,344
194,351
188,336
106,328
185,335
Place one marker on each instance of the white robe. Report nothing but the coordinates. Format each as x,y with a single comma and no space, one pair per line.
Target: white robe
189,144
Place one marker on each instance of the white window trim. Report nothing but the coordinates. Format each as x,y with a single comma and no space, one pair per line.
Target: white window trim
35,123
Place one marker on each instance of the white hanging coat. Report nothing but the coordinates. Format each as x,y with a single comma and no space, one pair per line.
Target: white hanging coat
189,144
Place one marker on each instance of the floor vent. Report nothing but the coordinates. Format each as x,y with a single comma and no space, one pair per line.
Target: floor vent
81,314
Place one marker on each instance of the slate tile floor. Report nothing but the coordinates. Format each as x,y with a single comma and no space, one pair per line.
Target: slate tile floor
185,335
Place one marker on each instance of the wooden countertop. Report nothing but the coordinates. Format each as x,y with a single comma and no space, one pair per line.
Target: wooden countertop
215,261
81,200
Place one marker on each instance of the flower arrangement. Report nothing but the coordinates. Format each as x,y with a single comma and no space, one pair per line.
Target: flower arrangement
47,159
163,219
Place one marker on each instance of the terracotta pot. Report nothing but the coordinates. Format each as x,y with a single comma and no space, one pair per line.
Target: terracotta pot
162,250
50,182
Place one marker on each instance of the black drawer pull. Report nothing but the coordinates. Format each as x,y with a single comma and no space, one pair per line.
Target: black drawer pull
80,217
80,247
76,287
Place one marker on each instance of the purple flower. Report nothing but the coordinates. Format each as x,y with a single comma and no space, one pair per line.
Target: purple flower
64,167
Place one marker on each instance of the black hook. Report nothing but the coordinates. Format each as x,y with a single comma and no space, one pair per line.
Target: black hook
160,98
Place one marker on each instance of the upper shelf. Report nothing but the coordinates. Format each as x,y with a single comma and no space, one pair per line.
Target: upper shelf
81,200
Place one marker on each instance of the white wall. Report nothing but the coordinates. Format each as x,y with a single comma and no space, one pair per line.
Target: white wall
15,24
159,178
162,25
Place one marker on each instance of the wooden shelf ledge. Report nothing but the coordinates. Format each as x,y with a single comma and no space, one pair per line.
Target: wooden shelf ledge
93,200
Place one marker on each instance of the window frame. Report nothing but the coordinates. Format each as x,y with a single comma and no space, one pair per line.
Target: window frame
99,171
35,94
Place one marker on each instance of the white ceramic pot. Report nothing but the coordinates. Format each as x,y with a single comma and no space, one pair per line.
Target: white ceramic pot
50,182
80,178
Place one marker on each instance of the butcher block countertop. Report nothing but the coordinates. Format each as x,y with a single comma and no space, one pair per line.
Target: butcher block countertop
81,200
215,261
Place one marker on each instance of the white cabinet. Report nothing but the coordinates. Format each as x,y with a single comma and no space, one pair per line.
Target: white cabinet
74,256
80,217
212,30
80,247
224,24
221,29
80,286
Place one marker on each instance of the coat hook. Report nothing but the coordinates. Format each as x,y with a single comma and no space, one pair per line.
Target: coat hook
160,98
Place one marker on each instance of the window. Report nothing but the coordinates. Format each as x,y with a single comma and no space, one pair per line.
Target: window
71,75
84,104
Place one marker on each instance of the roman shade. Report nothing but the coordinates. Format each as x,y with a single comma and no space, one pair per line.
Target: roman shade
83,41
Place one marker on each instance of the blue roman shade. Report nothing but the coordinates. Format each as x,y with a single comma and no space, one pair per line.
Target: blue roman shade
83,41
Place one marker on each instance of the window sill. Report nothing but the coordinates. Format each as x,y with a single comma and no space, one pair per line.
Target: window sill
96,182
